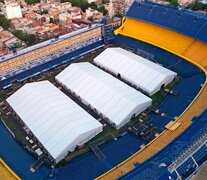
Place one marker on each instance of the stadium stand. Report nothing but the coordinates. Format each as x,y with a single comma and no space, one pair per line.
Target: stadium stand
149,33
48,64
79,167
185,22
25,62
202,33
169,40
196,51
154,53
19,160
35,56
158,167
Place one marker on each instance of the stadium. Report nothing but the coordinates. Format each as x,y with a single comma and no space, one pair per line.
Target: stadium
98,104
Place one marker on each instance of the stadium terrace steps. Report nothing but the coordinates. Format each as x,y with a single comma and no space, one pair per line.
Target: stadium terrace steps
160,121
166,39
16,63
197,51
49,64
155,35
201,154
202,33
171,153
185,22
157,55
145,153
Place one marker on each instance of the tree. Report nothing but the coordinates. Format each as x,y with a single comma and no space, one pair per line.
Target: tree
105,1
103,10
93,5
56,21
83,4
29,39
174,3
44,11
51,20
32,1
4,22
199,6
90,18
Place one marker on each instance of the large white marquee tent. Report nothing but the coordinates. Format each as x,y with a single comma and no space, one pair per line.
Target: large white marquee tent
110,97
141,72
55,120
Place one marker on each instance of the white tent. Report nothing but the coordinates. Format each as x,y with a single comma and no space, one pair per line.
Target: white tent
55,120
141,72
110,97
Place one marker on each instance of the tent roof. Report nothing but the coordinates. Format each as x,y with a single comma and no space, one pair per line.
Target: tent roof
108,95
53,118
141,72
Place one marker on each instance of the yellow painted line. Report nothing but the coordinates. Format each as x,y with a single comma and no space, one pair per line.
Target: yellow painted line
6,172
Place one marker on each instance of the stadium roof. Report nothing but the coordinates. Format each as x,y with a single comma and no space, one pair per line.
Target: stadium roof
141,72
57,122
112,98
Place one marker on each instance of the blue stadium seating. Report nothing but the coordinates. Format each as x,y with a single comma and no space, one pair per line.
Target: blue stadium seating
153,168
182,21
202,33
162,15
173,18
18,159
174,105
201,155
192,83
160,121
186,70
187,168
89,166
149,171
140,11
189,24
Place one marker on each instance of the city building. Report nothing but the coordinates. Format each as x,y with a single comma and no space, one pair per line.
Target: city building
121,6
13,11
